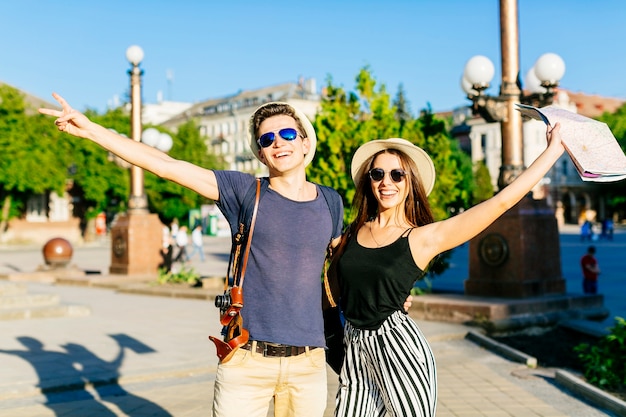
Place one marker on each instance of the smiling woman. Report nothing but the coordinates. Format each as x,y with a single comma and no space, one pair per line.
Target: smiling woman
385,250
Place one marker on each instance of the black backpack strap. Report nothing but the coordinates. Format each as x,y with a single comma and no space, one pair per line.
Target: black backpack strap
335,209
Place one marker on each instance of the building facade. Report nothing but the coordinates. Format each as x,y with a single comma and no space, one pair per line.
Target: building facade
224,121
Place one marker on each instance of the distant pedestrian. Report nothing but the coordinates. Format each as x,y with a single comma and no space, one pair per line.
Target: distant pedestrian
586,231
167,250
174,228
196,242
182,240
607,228
591,270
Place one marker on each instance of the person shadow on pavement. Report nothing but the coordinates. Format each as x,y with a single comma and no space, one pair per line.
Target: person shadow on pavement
71,375
106,374
55,369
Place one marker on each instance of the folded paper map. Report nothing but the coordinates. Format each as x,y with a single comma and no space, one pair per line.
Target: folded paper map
590,144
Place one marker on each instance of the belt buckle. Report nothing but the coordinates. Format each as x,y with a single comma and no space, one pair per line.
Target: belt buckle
265,346
282,351
275,347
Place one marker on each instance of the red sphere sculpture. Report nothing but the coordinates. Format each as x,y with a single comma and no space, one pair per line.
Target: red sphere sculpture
57,252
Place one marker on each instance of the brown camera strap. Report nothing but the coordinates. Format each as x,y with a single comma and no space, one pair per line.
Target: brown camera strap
328,291
244,263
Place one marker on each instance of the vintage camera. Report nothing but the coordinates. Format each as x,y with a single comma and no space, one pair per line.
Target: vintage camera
223,301
230,302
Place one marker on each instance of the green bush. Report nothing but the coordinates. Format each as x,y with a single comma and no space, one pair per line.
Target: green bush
186,275
603,363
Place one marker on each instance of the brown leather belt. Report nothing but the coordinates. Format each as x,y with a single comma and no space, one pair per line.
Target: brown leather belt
275,349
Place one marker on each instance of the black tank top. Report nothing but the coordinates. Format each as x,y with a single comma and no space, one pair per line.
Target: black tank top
375,282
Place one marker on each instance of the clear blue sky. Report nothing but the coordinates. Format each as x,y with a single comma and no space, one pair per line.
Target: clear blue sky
215,48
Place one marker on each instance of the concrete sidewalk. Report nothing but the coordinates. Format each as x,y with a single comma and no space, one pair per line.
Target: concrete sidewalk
139,355
149,356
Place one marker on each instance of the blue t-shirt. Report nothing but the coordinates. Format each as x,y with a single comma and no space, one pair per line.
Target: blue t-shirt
282,287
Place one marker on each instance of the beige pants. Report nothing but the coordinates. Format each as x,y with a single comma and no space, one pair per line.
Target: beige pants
246,384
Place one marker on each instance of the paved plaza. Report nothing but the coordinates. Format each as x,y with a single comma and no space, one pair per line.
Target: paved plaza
140,355
611,255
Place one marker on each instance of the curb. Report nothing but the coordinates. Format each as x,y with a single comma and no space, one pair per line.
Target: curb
167,291
573,383
502,349
590,392
147,285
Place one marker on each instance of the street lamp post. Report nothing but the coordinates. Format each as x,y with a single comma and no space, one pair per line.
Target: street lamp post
136,237
543,79
138,202
518,255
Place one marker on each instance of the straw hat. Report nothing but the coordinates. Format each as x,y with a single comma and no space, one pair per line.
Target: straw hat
424,164
306,124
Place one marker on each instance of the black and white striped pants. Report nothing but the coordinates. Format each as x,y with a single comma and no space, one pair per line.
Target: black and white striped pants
388,370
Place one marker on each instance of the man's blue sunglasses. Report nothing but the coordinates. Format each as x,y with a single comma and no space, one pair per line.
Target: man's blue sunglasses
267,139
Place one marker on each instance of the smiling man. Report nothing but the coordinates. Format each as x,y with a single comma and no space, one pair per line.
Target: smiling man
284,358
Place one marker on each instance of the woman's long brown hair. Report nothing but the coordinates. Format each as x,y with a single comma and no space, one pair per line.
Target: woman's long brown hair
416,206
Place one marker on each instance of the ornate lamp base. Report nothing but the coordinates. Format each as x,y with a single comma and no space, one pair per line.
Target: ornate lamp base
136,241
518,256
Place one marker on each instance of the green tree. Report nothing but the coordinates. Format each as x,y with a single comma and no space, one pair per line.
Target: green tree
100,183
615,192
12,125
484,188
39,159
403,109
110,189
349,119
105,185
32,162
169,199
617,123
455,180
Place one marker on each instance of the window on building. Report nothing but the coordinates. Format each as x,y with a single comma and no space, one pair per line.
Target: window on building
483,146
37,208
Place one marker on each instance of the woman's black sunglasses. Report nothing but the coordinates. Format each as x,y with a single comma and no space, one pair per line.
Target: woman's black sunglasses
267,139
377,174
